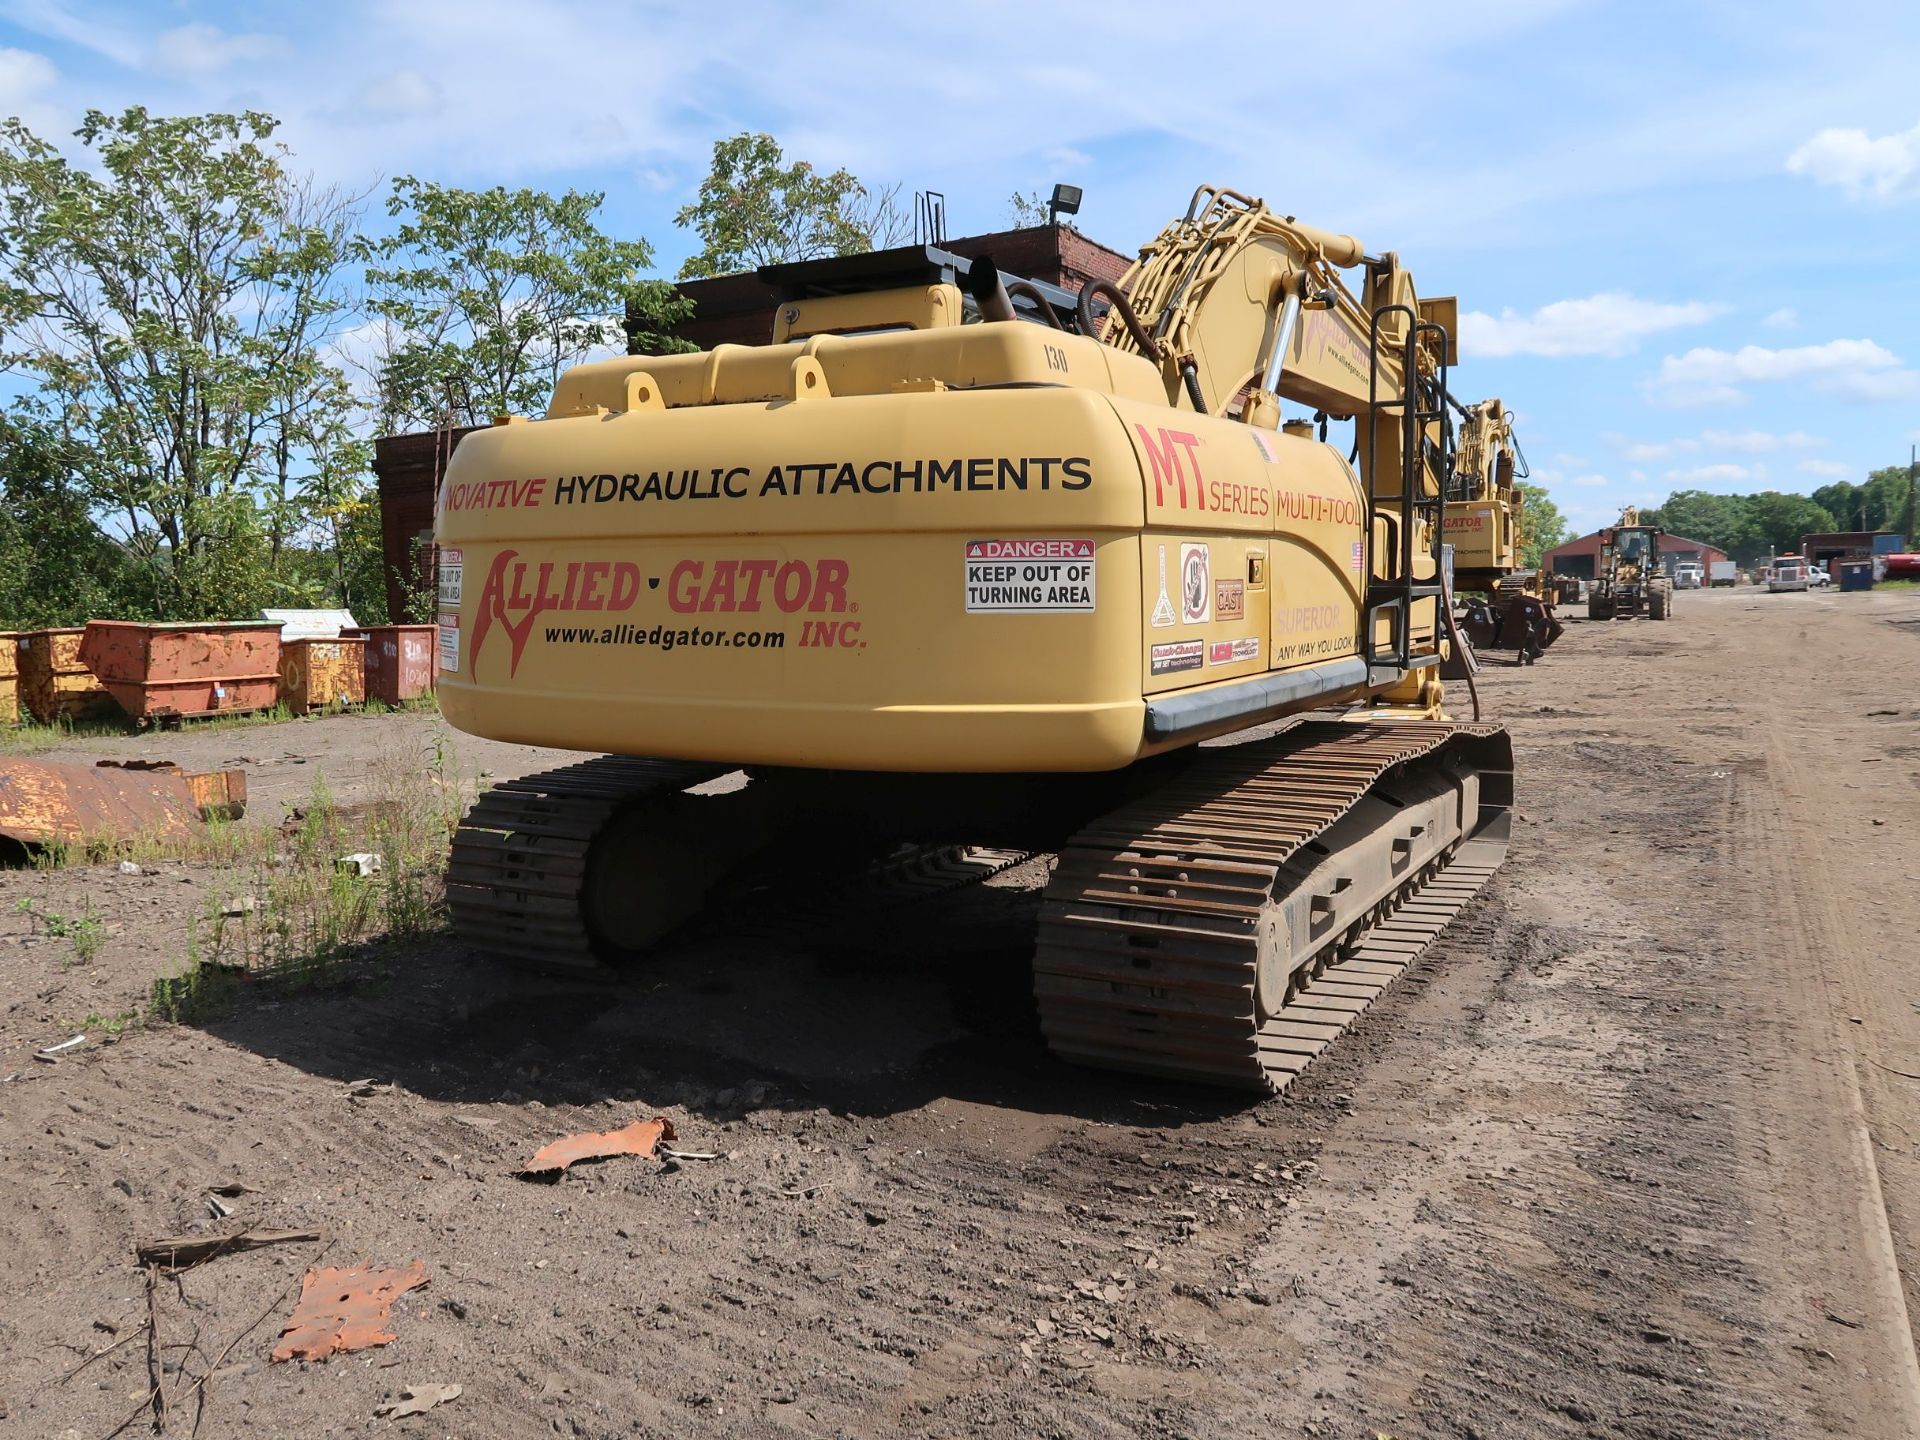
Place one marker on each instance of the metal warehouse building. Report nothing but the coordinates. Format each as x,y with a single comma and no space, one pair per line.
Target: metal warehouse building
1577,557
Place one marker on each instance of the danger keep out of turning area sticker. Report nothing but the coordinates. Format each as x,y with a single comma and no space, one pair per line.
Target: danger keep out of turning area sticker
1029,577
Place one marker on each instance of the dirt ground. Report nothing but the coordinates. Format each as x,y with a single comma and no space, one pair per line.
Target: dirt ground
1634,1152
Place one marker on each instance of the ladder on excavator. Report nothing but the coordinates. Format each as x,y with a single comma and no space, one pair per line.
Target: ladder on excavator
1414,403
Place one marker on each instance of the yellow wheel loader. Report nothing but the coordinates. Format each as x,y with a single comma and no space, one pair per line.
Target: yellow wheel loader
960,558
1628,578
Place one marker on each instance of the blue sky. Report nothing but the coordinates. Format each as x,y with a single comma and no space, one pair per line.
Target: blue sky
1682,233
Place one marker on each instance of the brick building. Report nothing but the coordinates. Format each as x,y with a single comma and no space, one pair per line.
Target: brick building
1577,557
738,309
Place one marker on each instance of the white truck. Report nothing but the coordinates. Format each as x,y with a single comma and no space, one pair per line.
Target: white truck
1788,572
1688,575
1722,572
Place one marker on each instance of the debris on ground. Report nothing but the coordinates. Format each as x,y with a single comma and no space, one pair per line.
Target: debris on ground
417,1400
362,863
177,1252
642,1137
344,1309
368,1088
43,803
63,1045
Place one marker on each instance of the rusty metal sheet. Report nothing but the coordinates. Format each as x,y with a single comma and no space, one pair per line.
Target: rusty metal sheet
642,1137
42,803
344,1309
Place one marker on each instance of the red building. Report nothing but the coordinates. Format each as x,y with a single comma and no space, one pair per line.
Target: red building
1577,557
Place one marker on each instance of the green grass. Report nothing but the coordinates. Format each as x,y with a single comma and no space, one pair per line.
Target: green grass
285,911
84,933
1897,585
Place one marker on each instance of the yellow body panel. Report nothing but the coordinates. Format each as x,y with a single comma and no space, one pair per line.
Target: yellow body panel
893,578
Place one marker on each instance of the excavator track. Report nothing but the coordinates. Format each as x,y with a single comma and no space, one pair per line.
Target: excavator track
1159,916
518,870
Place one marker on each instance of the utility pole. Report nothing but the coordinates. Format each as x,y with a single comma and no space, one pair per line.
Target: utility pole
1913,477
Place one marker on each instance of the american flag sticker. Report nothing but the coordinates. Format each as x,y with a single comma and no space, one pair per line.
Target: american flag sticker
1359,560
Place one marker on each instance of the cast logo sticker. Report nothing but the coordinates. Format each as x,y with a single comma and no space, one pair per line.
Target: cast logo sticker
1196,585
1163,607
1029,577
1177,655
1233,652
1229,599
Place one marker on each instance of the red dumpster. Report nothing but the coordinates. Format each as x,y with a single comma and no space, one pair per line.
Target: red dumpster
171,672
400,661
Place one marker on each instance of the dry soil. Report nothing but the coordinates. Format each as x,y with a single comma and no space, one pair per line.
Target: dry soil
1634,1152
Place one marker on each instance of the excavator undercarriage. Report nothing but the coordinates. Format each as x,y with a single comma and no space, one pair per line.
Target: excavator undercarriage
1232,914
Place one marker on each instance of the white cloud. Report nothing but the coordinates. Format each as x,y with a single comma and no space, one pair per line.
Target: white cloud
25,78
1785,318
1826,469
1738,442
1866,167
1758,442
1850,369
399,92
1704,474
1595,482
1874,387
1610,323
202,49
1066,157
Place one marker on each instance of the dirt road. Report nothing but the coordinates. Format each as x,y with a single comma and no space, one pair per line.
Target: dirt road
1636,1152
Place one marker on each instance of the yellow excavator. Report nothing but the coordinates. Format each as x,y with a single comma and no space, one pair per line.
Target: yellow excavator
964,559
1484,517
1485,524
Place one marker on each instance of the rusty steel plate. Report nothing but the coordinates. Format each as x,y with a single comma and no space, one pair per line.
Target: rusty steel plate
42,803
342,1310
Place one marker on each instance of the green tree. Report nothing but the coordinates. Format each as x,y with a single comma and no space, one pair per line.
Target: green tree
756,207
1542,526
1779,521
56,567
1026,210
1885,495
171,299
487,295
1722,521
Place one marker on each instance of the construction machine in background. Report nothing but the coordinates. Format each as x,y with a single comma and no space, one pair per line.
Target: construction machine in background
1485,525
961,558
1628,579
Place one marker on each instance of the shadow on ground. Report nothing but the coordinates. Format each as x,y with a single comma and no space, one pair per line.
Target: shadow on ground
931,1001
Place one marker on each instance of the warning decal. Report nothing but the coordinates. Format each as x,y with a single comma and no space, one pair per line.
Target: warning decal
450,643
452,569
1196,585
1029,577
